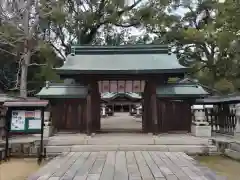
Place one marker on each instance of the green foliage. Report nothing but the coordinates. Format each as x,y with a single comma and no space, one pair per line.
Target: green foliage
225,86
46,59
203,39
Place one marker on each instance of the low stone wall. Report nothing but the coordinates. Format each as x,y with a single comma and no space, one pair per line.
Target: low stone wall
228,148
28,149
233,151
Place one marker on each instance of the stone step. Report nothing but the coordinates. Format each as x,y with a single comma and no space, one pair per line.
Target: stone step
127,141
189,149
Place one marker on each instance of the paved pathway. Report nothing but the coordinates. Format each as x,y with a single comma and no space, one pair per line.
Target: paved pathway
121,122
121,165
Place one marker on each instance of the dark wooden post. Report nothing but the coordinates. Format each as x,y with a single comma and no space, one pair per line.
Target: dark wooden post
96,107
153,110
144,109
89,111
7,130
40,155
147,114
93,108
154,113
98,111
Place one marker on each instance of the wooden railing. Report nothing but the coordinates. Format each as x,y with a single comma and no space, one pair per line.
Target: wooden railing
222,120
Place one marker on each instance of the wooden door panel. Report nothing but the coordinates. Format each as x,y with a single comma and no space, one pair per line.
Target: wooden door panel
68,115
174,116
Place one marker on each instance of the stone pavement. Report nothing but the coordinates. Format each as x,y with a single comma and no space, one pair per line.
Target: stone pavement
121,122
124,165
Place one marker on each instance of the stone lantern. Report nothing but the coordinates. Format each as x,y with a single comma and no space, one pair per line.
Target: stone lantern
200,127
48,128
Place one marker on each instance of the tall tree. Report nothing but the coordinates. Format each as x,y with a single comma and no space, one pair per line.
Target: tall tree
202,42
82,21
19,30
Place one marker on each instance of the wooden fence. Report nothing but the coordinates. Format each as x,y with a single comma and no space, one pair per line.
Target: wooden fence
222,119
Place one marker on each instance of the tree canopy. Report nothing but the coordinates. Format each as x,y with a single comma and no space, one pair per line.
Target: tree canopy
36,35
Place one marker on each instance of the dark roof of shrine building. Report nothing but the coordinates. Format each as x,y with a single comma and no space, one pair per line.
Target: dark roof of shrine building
113,95
63,90
133,59
181,91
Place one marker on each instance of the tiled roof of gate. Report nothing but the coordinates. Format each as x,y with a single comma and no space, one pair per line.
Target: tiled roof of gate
26,103
211,91
181,90
220,99
61,90
135,59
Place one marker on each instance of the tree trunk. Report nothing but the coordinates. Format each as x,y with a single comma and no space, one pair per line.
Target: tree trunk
27,53
24,72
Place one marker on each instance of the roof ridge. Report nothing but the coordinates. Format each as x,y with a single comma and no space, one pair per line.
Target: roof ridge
122,49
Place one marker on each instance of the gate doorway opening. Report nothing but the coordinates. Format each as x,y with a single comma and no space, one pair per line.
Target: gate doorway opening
119,101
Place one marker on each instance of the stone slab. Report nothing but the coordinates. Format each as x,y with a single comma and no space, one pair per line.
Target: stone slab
124,165
189,149
235,146
232,154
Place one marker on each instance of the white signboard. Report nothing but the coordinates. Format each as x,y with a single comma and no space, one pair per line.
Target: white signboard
37,114
18,121
34,124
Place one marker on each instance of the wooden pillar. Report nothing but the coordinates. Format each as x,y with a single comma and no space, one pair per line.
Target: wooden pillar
98,112
95,107
154,111
83,117
144,111
150,113
89,112
146,121
153,107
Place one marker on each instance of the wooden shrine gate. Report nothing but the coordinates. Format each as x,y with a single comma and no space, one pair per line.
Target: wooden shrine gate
135,68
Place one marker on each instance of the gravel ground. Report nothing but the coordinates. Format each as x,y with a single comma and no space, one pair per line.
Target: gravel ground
18,169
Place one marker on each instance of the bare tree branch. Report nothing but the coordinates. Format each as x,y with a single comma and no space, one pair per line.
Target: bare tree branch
58,51
36,64
8,52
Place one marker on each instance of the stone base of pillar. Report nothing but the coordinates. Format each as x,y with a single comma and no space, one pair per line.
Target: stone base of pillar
201,131
48,131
